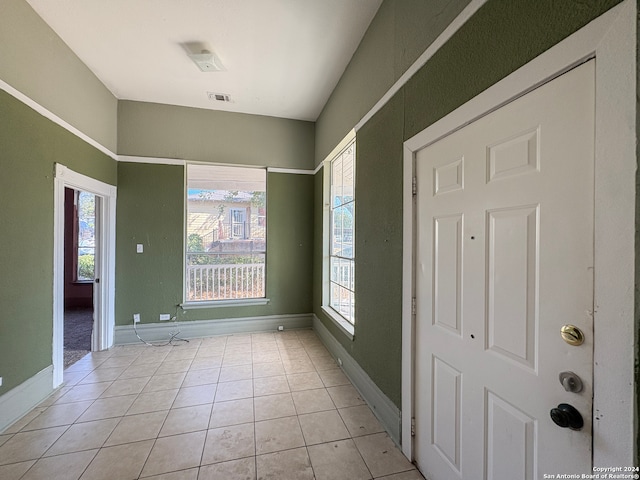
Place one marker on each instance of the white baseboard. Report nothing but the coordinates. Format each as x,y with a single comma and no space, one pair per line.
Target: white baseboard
157,332
19,401
383,408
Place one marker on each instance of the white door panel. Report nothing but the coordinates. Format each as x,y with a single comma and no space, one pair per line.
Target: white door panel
504,257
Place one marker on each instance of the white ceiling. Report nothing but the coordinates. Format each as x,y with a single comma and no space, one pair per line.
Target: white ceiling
282,57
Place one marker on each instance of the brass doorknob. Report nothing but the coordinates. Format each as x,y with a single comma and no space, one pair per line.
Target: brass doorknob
572,335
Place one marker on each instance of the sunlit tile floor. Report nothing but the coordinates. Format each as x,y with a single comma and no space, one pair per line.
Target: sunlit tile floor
259,406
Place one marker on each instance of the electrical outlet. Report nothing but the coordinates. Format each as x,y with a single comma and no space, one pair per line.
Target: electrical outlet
139,248
0,381
280,328
136,318
165,316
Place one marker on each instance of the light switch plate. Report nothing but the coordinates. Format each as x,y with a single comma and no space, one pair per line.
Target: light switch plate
139,248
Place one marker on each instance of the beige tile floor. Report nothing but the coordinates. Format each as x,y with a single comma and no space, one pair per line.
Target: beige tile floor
255,406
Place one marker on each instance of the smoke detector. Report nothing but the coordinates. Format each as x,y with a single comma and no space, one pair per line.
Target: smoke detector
219,97
207,61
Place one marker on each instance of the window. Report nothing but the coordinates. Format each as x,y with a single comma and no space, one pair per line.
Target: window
226,240
85,246
342,203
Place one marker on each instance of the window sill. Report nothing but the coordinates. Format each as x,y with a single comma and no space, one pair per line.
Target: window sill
344,326
240,302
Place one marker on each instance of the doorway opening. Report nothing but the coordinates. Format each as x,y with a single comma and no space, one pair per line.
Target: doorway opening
91,271
79,272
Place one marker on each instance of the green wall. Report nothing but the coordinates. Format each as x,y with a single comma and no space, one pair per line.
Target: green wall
36,62
499,38
151,212
168,131
637,249
30,145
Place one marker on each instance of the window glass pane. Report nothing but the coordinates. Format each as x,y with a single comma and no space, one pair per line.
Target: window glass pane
336,185
342,302
226,233
334,269
345,234
351,207
86,211
335,297
342,218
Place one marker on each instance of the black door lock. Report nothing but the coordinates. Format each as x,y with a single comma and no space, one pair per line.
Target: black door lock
566,416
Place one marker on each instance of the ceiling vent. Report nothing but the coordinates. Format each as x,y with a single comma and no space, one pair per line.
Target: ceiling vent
219,97
207,61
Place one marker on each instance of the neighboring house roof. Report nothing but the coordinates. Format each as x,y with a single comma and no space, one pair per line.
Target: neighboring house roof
218,196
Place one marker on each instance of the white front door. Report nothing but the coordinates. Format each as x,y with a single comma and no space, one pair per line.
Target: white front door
504,252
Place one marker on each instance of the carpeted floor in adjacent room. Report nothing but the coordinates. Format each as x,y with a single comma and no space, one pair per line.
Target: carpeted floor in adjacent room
78,323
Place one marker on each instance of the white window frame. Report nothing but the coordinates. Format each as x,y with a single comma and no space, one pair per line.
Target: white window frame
198,304
346,327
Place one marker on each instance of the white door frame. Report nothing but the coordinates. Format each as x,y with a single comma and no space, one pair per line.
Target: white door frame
104,316
611,39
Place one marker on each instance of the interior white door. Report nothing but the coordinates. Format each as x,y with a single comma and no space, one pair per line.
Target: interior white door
97,287
504,252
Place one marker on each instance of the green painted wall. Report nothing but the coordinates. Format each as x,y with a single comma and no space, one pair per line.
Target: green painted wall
399,33
36,62
637,244
30,145
502,36
151,212
167,131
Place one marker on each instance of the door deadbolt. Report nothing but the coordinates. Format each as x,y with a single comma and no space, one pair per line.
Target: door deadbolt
571,382
572,335
566,416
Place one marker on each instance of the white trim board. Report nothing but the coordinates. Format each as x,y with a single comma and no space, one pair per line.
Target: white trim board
383,408
295,171
54,118
160,332
446,34
127,158
611,39
153,160
18,401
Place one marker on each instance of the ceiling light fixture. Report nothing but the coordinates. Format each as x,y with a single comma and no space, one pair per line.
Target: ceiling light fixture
207,61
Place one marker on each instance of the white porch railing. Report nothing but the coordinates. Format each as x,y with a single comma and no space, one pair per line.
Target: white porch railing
225,282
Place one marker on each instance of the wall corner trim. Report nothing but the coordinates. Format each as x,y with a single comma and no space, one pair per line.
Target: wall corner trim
383,408
17,402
